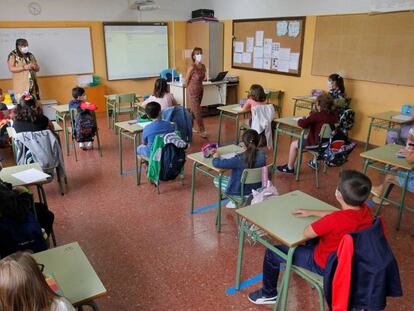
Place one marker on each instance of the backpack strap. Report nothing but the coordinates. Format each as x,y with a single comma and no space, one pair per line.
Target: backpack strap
265,176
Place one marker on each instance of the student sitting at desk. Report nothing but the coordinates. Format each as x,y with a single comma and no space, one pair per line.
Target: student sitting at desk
4,121
157,127
161,95
255,97
251,158
326,113
28,116
352,192
23,286
336,86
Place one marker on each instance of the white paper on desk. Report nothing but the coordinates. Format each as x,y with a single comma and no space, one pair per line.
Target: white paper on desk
266,63
228,155
281,28
267,48
284,54
257,52
237,58
84,80
296,118
247,58
283,65
237,109
30,175
238,46
259,37
249,44
275,50
294,61
294,29
402,117
258,63
144,124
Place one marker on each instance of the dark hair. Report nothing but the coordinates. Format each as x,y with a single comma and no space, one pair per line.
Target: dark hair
152,109
325,102
77,91
339,81
251,141
27,109
195,50
257,93
20,42
160,88
355,187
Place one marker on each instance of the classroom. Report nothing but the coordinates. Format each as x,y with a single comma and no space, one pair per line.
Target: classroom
176,155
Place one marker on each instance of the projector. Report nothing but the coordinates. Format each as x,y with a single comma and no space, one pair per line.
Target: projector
143,5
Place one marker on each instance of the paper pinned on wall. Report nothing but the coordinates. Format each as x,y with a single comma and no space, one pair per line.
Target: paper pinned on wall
294,29
283,65
281,28
249,44
259,37
267,48
294,61
257,52
247,58
258,63
238,46
275,50
275,62
237,58
284,54
187,53
266,63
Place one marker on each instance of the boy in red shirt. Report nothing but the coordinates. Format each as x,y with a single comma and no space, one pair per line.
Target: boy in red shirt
352,192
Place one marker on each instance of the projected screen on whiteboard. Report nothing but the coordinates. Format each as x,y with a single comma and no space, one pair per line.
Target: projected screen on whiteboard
135,50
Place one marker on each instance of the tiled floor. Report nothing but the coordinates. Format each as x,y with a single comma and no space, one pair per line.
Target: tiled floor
151,254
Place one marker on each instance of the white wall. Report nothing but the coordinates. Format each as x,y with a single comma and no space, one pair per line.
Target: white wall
95,10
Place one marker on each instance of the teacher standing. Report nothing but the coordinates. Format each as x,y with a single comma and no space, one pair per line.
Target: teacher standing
194,79
23,65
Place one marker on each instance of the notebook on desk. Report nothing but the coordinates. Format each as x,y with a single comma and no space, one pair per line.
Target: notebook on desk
220,76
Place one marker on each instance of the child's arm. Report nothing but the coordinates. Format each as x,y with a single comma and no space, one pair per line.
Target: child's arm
225,163
308,213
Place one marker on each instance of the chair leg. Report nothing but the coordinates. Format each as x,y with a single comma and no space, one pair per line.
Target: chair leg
52,233
139,171
74,148
385,195
315,160
60,182
99,142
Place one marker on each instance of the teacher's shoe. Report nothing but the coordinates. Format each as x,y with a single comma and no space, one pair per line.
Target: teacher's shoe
259,298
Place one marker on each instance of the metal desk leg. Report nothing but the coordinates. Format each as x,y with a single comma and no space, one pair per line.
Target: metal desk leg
193,172
402,199
283,295
369,134
120,151
366,163
218,216
219,127
275,146
240,254
136,157
237,130
299,158
294,107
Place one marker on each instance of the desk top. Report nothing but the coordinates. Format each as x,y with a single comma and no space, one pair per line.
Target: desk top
386,155
388,116
275,217
184,85
61,108
305,98
290,121
233,109
208,162
6,174
73,272
132,128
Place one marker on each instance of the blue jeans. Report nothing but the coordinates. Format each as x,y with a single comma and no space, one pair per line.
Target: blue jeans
303,257
143,150
392,136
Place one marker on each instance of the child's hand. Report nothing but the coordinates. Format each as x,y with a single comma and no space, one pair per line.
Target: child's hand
215,154
302,213
403,151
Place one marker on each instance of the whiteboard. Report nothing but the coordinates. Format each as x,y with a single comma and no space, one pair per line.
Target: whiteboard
59,51
135,50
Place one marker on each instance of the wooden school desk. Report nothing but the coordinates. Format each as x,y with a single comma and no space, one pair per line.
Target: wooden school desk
230,112
289,126
205,166
275,217
61,113
385,120
303,102
73,272
132,130
383,159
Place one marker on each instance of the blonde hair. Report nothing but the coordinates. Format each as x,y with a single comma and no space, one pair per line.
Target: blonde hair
22,285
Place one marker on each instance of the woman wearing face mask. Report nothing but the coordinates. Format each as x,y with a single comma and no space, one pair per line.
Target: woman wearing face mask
23,65
194,79
336,86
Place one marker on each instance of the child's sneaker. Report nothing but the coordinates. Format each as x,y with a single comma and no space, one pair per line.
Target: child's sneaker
89,145
285,169
259,298
313,165
231,204
82,146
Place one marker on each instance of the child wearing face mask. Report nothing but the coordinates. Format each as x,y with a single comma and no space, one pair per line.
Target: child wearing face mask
336,86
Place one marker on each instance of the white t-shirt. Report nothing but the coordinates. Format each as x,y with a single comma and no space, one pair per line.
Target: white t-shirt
61,304
165,102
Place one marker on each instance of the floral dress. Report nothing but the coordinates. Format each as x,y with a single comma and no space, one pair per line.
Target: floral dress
195,93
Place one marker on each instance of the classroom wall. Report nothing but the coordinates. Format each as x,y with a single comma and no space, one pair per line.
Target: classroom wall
59,87
367,97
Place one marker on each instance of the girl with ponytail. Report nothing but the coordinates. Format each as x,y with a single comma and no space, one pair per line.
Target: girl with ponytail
252,157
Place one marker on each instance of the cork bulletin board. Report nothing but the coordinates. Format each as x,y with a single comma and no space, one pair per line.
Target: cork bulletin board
378,48
272,45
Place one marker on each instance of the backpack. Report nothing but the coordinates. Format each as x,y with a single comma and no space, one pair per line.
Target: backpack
172,162
346,119
85,126
337,150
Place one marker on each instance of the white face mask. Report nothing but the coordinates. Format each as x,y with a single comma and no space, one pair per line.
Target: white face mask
199,58
24,49
329,83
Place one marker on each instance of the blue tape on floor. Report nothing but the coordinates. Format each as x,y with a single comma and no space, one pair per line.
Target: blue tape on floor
205,208
370,203
245,284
